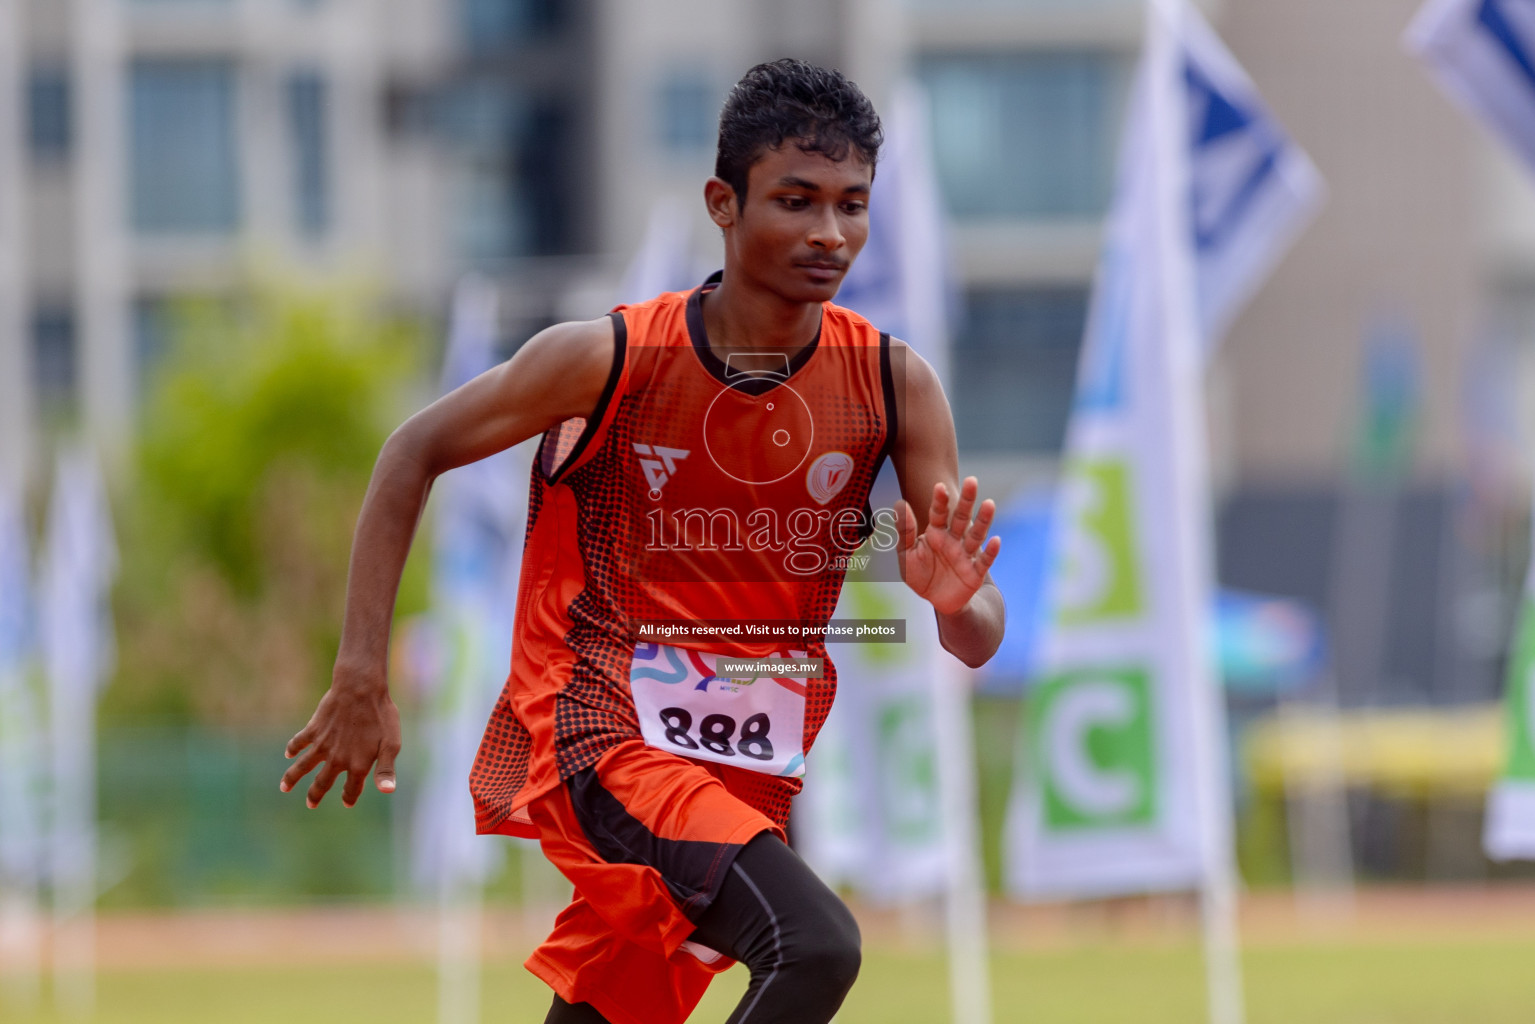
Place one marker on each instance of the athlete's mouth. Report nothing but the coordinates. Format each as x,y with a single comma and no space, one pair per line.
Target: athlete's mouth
824,266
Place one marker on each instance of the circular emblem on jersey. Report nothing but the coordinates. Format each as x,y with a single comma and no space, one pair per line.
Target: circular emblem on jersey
827,475
758,439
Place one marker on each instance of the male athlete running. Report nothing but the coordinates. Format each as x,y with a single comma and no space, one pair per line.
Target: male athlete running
706,456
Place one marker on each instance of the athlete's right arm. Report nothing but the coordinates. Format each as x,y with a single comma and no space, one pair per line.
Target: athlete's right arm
559,374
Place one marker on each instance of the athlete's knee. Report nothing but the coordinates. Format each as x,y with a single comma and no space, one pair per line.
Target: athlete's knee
827,950
833,965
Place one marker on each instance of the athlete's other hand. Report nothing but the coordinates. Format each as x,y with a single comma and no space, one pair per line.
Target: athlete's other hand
355,726
946,563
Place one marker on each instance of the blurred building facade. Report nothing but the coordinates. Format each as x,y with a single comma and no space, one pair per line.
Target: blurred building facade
153,147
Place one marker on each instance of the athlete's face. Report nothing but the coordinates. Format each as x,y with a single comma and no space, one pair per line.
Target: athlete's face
804,220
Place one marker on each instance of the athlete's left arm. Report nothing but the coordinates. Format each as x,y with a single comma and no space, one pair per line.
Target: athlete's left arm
944,553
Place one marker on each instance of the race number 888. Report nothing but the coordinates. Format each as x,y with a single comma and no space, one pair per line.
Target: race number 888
716,731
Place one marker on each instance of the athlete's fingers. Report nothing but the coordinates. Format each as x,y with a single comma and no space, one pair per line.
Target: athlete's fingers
322,784
353,789
938,511
300,768
383,775
988,555
977,532
300,740
905,526
962,509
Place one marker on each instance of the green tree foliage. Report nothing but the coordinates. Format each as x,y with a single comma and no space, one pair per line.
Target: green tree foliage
258,434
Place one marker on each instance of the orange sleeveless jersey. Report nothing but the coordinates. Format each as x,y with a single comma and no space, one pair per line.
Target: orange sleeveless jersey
696,491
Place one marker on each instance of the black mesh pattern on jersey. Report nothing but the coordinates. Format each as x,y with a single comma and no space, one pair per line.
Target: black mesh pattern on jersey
506,750
594,711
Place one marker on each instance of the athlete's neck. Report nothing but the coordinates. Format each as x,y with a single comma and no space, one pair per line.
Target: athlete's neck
741,318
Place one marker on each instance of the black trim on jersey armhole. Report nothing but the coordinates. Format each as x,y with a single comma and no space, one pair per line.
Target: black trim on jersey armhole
594,421
887,384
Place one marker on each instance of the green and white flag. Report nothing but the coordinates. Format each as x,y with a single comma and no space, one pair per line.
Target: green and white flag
1122,783
1510,826
872,814
1482,53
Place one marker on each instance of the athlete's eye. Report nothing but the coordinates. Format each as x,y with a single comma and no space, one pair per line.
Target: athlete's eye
794,202
854,207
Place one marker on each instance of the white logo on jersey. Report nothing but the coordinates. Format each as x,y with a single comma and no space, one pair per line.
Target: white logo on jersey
827,475
659,466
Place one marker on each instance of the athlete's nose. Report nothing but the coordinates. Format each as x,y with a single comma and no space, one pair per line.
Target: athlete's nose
826,234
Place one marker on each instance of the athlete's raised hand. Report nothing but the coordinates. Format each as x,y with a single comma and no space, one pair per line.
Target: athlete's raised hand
354,727
946,563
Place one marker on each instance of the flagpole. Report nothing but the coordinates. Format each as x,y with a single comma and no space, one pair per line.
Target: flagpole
1182,362
965,901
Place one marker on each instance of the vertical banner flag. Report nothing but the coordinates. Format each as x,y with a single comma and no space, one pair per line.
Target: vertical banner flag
903,737
1509,832
1111,794
480,512
21,849
871,814
664,260
78,648
1482,52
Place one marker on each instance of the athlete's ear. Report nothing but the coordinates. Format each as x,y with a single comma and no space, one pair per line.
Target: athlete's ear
720,199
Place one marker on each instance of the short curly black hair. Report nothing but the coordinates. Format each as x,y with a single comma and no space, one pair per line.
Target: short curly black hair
820,109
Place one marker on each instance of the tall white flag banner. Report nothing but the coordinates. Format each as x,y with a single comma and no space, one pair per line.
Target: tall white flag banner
871,815
1509,829
1122,779
480,511
664,261
480,516
78,647
21,836
1482,52
900,732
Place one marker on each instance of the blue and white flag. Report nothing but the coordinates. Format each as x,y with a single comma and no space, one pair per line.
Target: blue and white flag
871,816
1253,190
21,753
1122,781
1482,52
480,514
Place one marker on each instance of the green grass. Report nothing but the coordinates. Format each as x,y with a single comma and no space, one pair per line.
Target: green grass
1402,982
1380,983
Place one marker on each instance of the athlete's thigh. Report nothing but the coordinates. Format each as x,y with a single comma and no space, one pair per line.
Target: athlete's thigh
775,909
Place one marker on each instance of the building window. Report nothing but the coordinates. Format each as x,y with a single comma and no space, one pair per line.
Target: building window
1015,361
55,361
49,127
306,139
1026,135
687,110
518,185
496,24
183,157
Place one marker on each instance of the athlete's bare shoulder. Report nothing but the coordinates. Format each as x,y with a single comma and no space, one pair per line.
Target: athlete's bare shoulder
573,360
918,391
560,373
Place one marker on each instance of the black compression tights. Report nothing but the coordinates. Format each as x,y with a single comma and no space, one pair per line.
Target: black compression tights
795,936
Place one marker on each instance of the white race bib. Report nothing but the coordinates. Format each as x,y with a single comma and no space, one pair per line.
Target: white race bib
686,709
